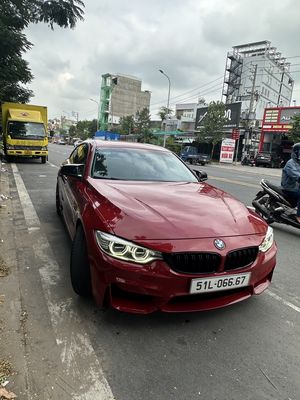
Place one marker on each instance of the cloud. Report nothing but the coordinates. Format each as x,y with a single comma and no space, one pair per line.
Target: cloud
189,40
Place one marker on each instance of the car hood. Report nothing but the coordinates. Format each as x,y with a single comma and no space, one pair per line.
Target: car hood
172,211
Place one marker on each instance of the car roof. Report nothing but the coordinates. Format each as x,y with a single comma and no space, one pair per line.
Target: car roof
120,144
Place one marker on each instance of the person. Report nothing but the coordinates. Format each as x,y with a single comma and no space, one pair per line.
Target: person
290,179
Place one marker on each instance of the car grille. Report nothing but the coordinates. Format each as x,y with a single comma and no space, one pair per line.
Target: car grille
27,148
193,263
240,258
199,263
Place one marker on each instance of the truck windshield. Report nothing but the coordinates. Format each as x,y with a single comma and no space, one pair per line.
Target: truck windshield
26,130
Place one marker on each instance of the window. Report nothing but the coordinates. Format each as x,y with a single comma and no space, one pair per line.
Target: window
79,155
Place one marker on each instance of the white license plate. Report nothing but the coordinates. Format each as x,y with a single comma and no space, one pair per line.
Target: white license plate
205,285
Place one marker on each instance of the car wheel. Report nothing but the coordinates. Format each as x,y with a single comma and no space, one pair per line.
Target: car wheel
79,265
57,201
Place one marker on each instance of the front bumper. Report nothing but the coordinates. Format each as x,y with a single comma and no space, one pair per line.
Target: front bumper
144,289
27,153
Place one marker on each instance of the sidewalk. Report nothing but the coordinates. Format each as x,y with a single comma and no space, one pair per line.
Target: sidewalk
12,313
247,168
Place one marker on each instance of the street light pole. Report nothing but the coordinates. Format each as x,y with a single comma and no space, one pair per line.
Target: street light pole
168,103
97,112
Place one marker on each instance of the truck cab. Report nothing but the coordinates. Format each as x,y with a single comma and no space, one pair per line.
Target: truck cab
191,155
24,131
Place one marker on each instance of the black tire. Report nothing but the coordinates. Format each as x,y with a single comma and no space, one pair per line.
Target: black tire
57,202
79,265
44,159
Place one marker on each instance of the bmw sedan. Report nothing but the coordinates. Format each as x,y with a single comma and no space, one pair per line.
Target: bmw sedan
148,233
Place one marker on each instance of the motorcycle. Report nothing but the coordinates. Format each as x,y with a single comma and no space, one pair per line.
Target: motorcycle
273,205
247,160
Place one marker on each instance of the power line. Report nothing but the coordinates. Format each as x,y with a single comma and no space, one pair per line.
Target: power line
189,91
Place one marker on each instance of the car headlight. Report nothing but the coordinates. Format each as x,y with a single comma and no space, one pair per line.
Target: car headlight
124,250
44,148
268,240
10,147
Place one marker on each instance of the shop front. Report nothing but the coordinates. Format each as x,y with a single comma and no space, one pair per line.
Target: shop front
274,137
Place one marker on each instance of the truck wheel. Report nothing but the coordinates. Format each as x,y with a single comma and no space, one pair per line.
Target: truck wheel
44,159
79,265
8,158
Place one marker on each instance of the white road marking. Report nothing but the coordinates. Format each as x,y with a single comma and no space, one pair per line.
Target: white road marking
53,165
285,302
79,360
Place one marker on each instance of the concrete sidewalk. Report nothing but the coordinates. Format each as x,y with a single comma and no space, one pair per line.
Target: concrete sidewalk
247,168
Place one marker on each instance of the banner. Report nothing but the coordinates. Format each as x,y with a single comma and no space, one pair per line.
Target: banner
227,150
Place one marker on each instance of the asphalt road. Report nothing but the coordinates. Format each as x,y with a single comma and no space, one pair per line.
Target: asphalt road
75,351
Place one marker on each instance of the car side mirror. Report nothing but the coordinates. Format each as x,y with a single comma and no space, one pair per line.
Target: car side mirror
74,170
201,175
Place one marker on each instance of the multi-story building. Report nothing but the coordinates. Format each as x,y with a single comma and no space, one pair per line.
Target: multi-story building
186,114
257,75
121,95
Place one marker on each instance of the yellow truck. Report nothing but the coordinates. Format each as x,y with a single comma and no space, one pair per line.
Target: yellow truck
24,129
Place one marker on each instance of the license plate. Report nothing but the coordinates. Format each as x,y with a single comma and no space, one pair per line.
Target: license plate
219,283
27,152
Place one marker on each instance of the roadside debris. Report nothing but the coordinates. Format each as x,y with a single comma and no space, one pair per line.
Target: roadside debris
5,394
5,371
4,270
4,197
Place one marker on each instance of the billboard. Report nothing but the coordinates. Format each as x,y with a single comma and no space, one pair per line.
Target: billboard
232,113
279,119
227,150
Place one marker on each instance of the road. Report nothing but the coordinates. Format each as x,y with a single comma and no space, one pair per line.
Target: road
75,351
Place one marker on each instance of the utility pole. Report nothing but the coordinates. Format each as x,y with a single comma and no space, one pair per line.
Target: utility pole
252,96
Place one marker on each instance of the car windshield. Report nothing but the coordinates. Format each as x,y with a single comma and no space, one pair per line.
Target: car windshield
139,165
24,130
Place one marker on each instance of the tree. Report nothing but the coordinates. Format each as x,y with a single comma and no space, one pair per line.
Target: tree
127,125
86,129
15,16
142,125
214,121
294,132
163,112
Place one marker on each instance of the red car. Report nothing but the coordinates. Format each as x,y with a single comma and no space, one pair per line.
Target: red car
149,234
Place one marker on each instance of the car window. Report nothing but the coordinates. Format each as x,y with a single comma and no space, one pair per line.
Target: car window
140,165
79,155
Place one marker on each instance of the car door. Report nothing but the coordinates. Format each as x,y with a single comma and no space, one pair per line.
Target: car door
73,188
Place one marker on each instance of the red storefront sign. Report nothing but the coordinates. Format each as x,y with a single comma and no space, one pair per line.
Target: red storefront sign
277,120
235,134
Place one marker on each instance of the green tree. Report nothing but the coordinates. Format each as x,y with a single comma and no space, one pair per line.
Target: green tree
127,125
294,132
86,129
163,112
142,125
212,130
15,16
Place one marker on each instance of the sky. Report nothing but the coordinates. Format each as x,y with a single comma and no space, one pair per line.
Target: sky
188,40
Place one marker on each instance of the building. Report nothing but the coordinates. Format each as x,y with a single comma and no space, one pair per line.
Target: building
257,75
276,123
121,95
186,114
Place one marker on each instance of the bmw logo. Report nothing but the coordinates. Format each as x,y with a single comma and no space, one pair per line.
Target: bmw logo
219,244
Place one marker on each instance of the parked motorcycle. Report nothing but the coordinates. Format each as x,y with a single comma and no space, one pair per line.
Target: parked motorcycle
273,205
248,160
